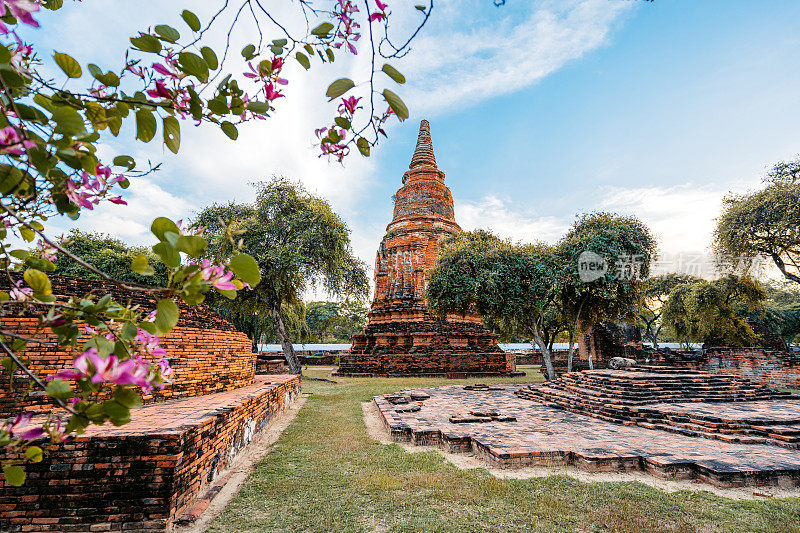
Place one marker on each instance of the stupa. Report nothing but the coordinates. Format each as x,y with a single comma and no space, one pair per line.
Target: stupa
402,337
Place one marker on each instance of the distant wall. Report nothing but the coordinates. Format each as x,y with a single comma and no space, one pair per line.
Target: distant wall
774,368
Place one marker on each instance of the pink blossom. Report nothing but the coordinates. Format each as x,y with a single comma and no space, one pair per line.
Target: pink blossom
270,92
349,104
111,369
20,293
21,10
149,343
160,91
47,250
12,143
23,428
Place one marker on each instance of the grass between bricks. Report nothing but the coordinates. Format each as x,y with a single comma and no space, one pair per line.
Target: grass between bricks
326,474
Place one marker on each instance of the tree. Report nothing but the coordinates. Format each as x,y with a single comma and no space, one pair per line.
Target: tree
536,289
50,132
298,243
335,321
764,223
657,292
108,254
621,249
717,310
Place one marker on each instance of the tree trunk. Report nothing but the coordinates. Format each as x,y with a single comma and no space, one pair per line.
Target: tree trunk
286,342
546,358
571,349
655,338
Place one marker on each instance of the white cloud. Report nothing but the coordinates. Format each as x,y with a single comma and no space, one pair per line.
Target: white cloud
508,220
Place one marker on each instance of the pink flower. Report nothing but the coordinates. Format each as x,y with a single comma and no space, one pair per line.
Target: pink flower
160,91
270,92
21,9
12,143
22,428
349,104
99,369
149,343
381,5
20,293
47,250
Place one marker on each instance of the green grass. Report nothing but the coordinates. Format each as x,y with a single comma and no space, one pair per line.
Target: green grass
326,474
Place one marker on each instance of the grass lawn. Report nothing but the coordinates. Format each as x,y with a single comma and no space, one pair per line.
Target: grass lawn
326,474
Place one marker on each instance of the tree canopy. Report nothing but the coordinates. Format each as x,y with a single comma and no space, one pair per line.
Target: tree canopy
764,223
536,289
299,244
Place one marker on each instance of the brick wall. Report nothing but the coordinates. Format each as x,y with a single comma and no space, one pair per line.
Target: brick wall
427,363
204,361
141,476
769,367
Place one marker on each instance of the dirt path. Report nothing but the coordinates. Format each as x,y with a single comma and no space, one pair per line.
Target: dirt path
245,465
377,431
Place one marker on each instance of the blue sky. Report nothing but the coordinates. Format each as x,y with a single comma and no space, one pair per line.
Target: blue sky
539,111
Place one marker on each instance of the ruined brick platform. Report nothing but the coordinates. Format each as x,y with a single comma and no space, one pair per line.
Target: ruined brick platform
143,475
402,337
509,431
695,403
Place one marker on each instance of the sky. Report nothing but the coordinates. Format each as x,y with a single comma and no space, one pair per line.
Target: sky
539,111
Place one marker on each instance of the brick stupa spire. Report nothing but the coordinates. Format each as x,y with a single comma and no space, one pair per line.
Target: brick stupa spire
402,337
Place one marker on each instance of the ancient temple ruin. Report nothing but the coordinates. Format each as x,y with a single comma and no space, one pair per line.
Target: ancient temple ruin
402,337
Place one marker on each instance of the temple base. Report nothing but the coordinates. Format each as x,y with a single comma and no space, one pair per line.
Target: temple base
428,364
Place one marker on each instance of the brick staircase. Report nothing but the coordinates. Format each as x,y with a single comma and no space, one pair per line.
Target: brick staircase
689,402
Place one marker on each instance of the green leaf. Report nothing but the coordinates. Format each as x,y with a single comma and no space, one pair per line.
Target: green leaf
246,269
172,133
322,30
15,475
68,121
147,43
329,53
339,87
5,54
59,389
191,245
125,161
258,107
10,178
191,19
128,397
303,60
248,52
363,146
101,344
34,453
420,8
145,125
229,130
393,73
167,33
193,64
38,281
161,226
396,104
209,57
68,65
141,265
166,316
342,122
168,254
117,413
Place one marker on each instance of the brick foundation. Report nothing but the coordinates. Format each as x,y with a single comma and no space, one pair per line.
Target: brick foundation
141,476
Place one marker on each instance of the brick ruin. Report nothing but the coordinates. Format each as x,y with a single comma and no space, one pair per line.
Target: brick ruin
159,469
402,337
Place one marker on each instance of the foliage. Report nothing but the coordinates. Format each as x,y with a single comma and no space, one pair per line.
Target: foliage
704,310
298,243
764,223
108,255
535,289
335,321
50,132
657,290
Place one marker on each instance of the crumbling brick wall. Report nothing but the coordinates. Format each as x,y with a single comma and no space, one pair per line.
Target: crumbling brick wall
776,368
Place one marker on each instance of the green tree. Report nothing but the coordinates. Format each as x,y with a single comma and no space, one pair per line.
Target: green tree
335,321
657,290
715,310
298,243
626,246
764,223
109,255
